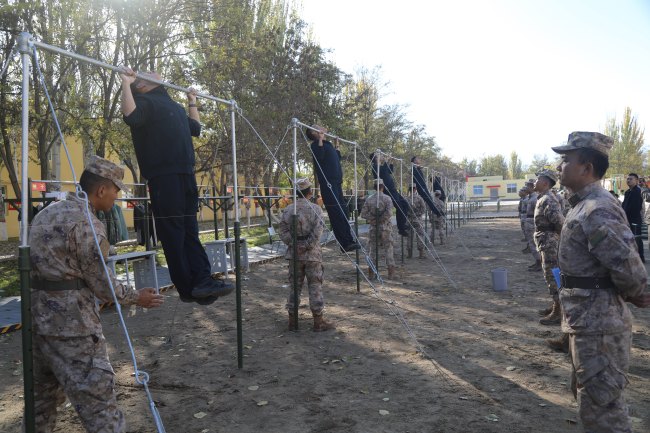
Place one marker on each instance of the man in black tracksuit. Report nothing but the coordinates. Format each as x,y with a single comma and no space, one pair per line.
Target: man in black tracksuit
400,203
633,207
327,166
162,137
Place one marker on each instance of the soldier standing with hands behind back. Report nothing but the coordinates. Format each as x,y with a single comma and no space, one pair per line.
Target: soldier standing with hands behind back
378,210
601,272
310,258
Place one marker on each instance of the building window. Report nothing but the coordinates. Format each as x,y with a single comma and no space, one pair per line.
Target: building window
477,190
511,188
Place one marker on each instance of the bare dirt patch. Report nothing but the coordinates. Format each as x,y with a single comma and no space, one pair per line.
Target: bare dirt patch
486,367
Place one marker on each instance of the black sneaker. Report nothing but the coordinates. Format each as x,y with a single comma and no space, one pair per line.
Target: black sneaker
212,288
201,301
404,233
352,247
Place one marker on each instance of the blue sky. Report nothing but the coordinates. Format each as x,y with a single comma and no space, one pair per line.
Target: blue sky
493,76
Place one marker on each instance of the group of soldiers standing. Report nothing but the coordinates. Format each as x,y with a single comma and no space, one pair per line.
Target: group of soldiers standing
587,238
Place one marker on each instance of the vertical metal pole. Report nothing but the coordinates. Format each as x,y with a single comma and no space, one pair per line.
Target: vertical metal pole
24,263
240,340
215,220
294,226
145,231
356,216
401,187
226,205
377,153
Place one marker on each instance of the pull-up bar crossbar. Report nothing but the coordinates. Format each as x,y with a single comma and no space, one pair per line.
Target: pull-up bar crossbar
327,134
120,69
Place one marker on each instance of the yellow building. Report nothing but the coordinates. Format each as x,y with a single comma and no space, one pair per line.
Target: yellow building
11,228
491,188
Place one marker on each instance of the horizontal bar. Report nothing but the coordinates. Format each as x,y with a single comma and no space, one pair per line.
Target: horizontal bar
328,134
120,69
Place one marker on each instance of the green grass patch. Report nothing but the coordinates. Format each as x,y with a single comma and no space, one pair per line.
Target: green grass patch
9,278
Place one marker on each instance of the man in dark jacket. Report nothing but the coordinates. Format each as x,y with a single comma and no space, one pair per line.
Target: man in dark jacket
162,136
421,185
327,166
400,203
633,206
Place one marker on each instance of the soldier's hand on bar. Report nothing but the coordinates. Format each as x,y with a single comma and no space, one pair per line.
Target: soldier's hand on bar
127,75
148,298
191,95
641,301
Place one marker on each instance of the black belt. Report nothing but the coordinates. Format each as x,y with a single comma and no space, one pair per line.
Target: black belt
75,284
302,238
586,282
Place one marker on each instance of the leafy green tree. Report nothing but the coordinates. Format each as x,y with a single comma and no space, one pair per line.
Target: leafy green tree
514,168
628,153
493,165
539,163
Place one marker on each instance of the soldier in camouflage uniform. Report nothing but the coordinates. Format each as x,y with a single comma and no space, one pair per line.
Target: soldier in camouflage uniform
438,221
416,211
548,225
68,277
378,210
523,196
309,258
529,226
601,271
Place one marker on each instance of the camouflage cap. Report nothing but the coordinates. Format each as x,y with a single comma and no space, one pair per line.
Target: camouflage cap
379,181
303,183
551,174
106,169
586,140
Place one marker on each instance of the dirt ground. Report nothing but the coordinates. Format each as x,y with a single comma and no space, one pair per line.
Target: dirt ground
485,367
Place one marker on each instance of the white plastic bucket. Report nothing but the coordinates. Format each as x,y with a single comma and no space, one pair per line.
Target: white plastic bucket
500,279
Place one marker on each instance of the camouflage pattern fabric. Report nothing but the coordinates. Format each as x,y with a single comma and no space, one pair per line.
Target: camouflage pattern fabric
78,368
596,241
63,248
416,211
548,225
69,349
438,222
599,366
378,210
310,227
313,271
529,234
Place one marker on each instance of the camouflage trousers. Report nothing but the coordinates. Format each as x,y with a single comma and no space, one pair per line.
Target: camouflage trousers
385,246
529,232
547,245
600,364
418,232
76,367
314,273
437,227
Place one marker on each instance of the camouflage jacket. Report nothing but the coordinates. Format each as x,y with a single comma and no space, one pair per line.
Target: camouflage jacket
596,241
418,207
440,205
530,205
62,247
523,205
310,228
378,204
548,214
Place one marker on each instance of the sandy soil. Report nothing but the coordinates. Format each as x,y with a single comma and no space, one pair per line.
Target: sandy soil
485,367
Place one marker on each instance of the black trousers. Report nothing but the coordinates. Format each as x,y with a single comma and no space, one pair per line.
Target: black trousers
402,207
426,196
636,229
175,201
337,212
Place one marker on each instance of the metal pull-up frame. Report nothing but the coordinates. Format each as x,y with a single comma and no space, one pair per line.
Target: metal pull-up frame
26,46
